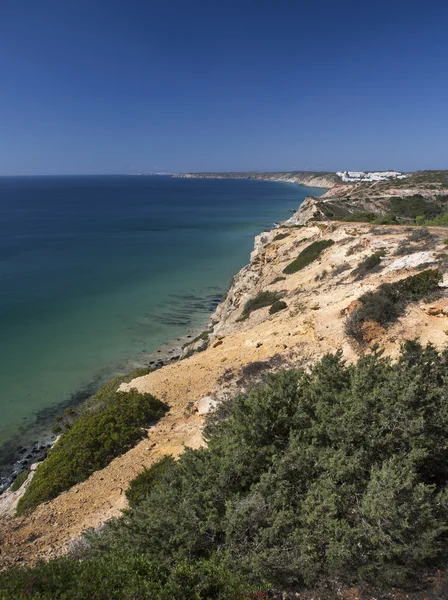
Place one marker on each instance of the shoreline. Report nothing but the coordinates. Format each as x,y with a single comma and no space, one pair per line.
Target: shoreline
26,455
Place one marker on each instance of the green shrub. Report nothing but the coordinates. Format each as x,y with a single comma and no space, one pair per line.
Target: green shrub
359,217
280,236
318,479
141,485
412,206
307,256
91,443
387,219
369,264
261,300
277,306
387,303
19,480
440,220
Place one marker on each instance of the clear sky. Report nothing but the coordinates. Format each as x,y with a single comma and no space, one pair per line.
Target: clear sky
108,86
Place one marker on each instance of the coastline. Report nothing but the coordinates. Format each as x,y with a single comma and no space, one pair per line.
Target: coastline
240,353
25,456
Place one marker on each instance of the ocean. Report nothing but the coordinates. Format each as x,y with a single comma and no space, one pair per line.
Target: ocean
98,272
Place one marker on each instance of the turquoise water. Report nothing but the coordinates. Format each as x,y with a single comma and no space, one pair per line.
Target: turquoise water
98,272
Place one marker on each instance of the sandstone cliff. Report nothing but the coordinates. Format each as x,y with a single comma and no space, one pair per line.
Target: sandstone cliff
241,347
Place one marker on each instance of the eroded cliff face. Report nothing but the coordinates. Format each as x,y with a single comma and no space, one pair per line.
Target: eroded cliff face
308,178
318,299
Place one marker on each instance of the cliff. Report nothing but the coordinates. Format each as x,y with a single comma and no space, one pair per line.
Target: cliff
243,344
321,179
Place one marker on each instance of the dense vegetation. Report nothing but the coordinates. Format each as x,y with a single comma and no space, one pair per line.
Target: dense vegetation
359,217
318,479
307,256
386,304
441,220
412,206
110,427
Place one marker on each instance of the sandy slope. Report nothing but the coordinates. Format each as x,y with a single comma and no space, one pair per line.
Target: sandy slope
318,297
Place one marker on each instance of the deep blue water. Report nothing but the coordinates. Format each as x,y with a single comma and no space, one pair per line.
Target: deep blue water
97,272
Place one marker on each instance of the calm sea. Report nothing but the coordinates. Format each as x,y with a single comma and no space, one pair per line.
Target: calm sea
97,272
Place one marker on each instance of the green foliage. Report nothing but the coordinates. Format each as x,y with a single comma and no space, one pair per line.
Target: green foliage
412,206
387,303
440,220
261,300
336,476
369,264
359,217
128,575
369,217
307,256
19,481
280,236
387,219
141,485
277,306
98,436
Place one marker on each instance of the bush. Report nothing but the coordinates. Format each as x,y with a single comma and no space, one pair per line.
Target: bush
369,264
19,480
387,303
336,476
141,485
307,256
277,306
359,217
387,219
261,300
91,443
280,236
412,206
440,220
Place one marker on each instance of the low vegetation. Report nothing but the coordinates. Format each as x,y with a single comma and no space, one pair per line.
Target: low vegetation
145,481
108,428
280,236
19,480
277,306
261,300
384,305
440,220
314,481
359,217
411,207
370,264
307,256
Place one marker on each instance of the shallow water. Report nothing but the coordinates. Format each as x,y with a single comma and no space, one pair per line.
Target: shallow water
97,272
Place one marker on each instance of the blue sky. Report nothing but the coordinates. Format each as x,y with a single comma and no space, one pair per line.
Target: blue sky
115,87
